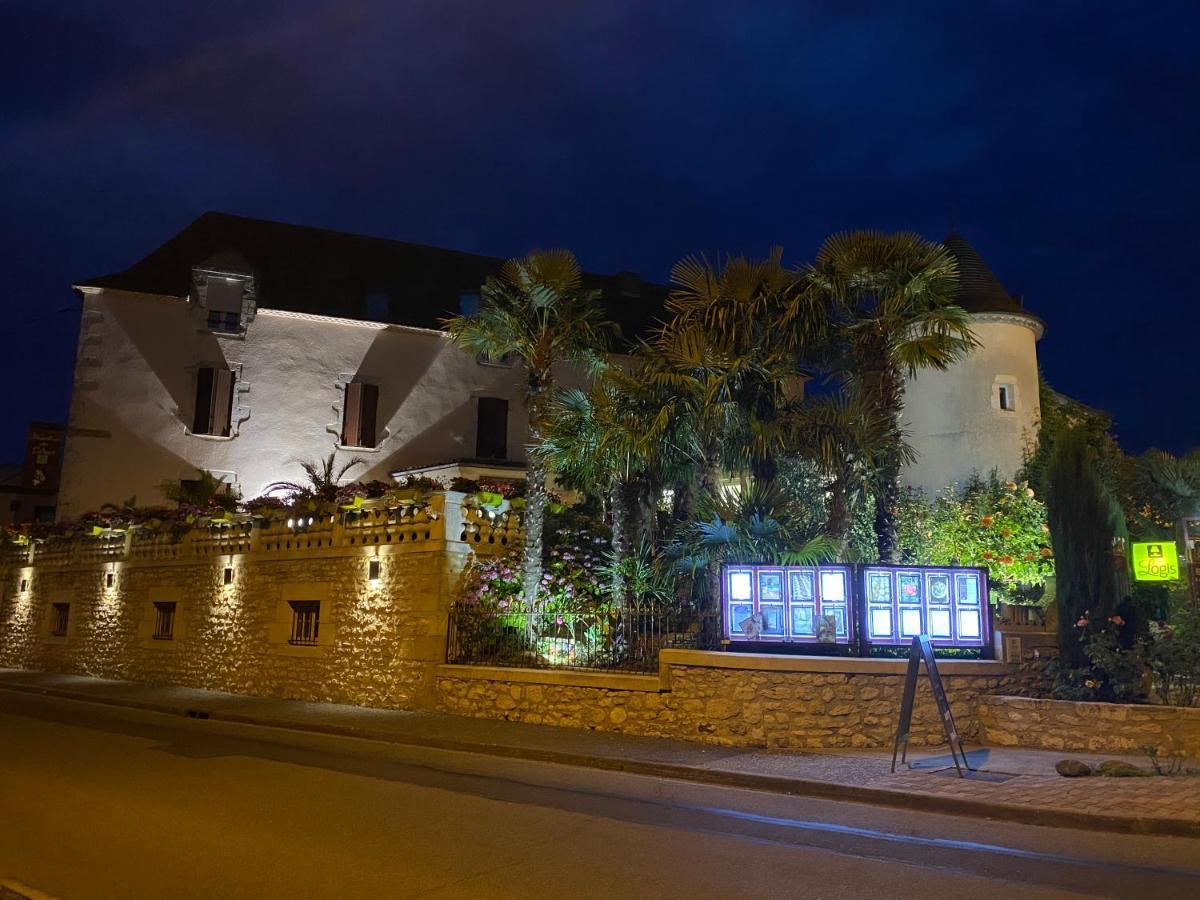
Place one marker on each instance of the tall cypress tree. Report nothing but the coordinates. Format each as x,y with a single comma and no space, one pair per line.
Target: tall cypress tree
1079,510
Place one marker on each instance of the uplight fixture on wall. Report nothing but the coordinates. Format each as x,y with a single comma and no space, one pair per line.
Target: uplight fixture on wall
227,577
373,570
24,585
110,579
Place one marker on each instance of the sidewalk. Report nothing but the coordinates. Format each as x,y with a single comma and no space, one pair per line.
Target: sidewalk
1014,785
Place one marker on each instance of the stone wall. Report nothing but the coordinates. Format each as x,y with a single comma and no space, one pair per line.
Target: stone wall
382,640
378,639
1093,727
736,699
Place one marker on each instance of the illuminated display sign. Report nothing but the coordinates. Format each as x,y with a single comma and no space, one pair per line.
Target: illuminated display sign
1155,561
795,604
949,605
838,604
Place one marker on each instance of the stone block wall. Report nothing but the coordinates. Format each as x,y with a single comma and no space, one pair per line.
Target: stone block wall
379,639
737,699
1092,727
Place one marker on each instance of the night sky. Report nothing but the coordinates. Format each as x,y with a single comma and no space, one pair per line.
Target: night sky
1062,138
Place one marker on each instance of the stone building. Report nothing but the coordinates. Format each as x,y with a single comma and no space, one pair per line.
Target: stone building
243,346
982,413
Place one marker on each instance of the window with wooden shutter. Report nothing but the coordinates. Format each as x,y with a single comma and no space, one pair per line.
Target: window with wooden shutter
359,413
214,402
491,428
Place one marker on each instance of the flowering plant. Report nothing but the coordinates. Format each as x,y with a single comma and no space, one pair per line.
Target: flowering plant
999,525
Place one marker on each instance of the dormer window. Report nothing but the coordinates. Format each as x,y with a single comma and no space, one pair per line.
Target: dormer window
224,298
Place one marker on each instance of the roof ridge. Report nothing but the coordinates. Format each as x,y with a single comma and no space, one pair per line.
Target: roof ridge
338,232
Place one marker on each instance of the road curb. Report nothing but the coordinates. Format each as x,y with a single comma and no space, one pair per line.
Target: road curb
957,806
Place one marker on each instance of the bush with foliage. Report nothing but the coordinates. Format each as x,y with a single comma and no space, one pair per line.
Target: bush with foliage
571,581
1127,664
1081,516
998,525
1172,654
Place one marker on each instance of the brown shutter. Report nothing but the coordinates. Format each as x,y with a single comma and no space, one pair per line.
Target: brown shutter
201,420
359,414
222,402
369,408
351,414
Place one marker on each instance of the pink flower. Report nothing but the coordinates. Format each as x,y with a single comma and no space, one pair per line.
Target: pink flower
1116,620
559,620
1082,623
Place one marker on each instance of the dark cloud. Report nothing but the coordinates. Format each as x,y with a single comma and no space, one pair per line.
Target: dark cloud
1061,136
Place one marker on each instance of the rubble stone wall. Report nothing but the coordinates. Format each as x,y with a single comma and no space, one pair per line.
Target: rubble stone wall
738,699
1093,727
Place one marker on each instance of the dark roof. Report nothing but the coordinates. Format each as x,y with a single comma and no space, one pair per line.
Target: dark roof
979,290
332,273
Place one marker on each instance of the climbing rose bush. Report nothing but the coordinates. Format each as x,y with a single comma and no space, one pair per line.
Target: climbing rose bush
999,525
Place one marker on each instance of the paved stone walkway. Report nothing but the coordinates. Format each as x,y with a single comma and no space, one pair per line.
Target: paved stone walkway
1176,798
1012,784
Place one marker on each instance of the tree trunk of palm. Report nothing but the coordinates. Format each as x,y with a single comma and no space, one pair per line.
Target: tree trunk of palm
838,518
887,499
887,471
710,485
683,501
535,490
616,503
765,470
645,502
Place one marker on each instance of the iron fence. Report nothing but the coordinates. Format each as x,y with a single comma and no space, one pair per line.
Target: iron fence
622,640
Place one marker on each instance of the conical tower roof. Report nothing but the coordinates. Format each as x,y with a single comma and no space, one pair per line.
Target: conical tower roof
979,290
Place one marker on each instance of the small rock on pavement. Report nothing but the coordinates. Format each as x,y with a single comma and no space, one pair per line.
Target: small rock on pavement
1072,768
1115,768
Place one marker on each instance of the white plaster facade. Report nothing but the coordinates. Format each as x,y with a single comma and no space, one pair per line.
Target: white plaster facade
954,418
135,389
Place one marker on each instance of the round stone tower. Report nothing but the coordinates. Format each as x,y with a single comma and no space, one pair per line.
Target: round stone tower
982,413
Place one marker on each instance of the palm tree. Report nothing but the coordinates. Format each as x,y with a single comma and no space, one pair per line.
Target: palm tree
617,440
324,477
755,524
1170,483
844,438
892,297
538,312
733,344
724,370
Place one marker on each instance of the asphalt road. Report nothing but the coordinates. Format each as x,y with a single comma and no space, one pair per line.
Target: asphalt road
100,802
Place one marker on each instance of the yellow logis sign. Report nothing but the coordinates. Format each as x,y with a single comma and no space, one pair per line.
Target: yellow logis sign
1155,561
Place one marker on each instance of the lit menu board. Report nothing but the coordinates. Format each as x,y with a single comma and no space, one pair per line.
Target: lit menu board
793,604
831,604
949,605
